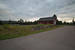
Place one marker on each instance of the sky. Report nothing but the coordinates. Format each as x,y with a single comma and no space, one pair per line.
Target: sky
34,9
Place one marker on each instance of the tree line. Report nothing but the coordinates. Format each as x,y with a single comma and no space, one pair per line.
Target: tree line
65,23
22,22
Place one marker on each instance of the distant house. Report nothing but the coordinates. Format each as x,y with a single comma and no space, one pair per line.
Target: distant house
48,20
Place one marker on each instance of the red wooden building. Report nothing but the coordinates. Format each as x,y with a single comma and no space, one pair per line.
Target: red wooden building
48,20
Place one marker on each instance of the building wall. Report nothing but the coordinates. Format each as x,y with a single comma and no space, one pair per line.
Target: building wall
54,22
46,22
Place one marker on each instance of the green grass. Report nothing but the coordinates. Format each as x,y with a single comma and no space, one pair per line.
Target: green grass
13,31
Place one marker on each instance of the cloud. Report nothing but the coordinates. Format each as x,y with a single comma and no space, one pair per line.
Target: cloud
5,12
28,9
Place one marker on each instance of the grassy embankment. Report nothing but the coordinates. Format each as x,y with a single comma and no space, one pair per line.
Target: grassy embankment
13,31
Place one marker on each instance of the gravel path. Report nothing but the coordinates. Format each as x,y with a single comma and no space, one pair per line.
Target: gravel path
58,39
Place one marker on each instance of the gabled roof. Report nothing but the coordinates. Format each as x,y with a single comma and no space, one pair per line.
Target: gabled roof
46,19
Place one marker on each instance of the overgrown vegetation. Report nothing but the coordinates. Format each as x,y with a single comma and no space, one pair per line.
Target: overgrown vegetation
12,31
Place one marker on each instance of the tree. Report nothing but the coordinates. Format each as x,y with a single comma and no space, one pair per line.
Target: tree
55,16
1,22
21,21
58,22
64,22
73,21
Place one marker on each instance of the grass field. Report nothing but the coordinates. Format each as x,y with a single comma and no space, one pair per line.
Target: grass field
13,31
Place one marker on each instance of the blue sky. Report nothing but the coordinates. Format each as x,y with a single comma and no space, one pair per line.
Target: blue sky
35,9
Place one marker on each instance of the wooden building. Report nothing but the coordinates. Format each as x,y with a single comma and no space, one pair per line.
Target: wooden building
48,20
